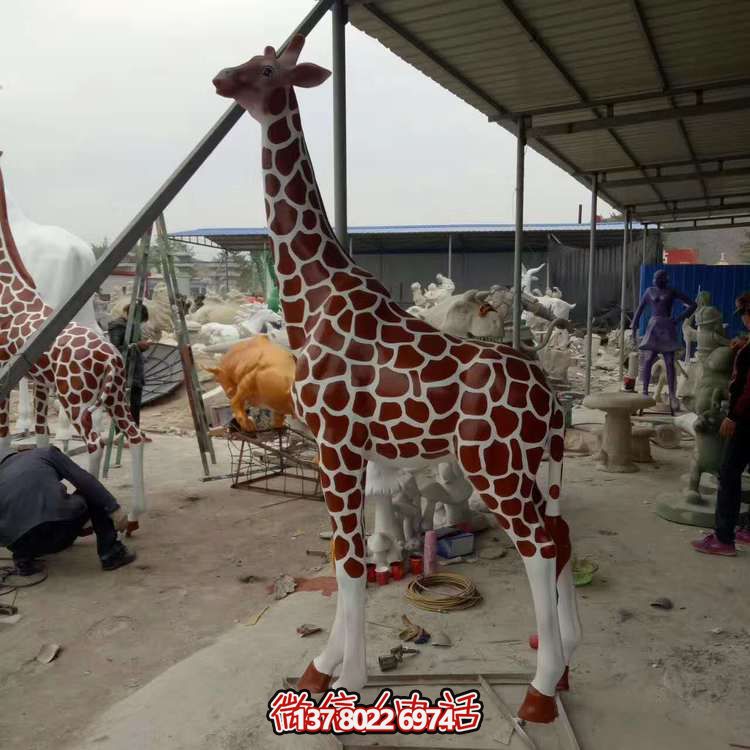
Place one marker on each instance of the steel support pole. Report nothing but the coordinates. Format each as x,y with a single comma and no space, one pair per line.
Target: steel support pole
623,287
339,121
518,248
590,294
36,346
643,246
450,256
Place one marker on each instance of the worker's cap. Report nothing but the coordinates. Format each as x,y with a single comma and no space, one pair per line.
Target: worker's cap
742,303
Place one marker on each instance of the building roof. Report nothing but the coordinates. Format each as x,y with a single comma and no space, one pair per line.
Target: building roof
652,95
421,238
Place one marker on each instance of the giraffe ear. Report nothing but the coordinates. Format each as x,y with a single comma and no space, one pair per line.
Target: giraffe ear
308,75
269,52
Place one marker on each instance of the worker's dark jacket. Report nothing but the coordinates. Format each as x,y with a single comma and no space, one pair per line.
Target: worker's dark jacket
32,493
739,388
116,332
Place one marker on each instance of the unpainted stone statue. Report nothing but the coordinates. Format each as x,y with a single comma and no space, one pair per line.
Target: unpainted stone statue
710,391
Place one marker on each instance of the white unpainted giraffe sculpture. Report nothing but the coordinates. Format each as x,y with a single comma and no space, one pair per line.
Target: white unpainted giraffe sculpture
56,260
373,382
86,371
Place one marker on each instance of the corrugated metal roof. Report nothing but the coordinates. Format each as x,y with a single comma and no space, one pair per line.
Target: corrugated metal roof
421,238
513,57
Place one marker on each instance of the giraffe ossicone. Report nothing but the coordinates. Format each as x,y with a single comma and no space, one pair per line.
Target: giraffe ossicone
86,371
375,383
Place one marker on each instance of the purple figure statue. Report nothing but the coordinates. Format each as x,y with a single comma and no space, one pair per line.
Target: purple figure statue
661,331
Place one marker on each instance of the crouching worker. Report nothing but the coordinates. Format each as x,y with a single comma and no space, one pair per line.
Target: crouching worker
38,516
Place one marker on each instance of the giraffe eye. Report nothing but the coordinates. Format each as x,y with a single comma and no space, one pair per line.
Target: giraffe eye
267,71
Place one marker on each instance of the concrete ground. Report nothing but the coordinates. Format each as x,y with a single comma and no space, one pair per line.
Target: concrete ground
161,655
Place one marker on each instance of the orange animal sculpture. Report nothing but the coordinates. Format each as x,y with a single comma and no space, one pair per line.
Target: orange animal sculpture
257,373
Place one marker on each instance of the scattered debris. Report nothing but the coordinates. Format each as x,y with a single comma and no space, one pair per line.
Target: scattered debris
297,533
325,584
413,632
326,535
317,553
304,630
717,631
256,617
607,532
662,603
440,638
48,653
248,579
624,615
390,662
194,498
9,619
283,586
583,571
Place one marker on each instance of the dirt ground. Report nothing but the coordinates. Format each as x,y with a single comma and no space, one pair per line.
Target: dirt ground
642,677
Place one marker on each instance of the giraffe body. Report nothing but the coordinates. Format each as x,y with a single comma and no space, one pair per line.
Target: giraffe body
84,369
375,383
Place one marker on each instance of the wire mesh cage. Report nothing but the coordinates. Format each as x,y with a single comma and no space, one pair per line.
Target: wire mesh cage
277,461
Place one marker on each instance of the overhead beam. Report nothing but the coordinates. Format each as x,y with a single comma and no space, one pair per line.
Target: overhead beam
706,160
639,118
675,203
650,215
664,81
636,181
645,96
704,226
38,344
731,220
536,38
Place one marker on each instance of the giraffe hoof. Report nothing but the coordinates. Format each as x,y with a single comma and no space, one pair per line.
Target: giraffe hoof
563,684
537,707
131,528
314,681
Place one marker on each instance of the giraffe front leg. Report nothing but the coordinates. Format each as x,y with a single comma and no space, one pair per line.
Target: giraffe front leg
342,479
23,420
41,409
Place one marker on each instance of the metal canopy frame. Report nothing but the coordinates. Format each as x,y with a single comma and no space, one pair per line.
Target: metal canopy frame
584,114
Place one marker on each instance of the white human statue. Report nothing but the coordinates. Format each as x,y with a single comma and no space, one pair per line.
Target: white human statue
216,309
57,261
435,292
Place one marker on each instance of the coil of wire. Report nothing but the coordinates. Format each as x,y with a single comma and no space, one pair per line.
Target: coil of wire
443,592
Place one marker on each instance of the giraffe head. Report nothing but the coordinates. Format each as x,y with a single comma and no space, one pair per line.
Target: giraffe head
260,84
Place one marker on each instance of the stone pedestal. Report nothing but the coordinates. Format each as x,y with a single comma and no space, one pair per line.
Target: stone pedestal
698,509
616,454
641,444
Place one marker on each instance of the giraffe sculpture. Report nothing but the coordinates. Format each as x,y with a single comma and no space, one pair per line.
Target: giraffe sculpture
375,383
86,371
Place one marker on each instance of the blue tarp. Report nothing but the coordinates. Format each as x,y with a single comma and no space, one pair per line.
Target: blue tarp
725,283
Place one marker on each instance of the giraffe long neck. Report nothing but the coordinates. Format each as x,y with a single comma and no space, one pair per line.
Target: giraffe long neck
306,251
13,273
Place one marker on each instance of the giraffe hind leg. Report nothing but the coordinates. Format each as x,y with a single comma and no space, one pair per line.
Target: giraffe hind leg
511,500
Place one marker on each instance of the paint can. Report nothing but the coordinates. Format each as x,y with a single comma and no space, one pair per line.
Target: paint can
382,576
430,553
415,565
397,570
371,572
